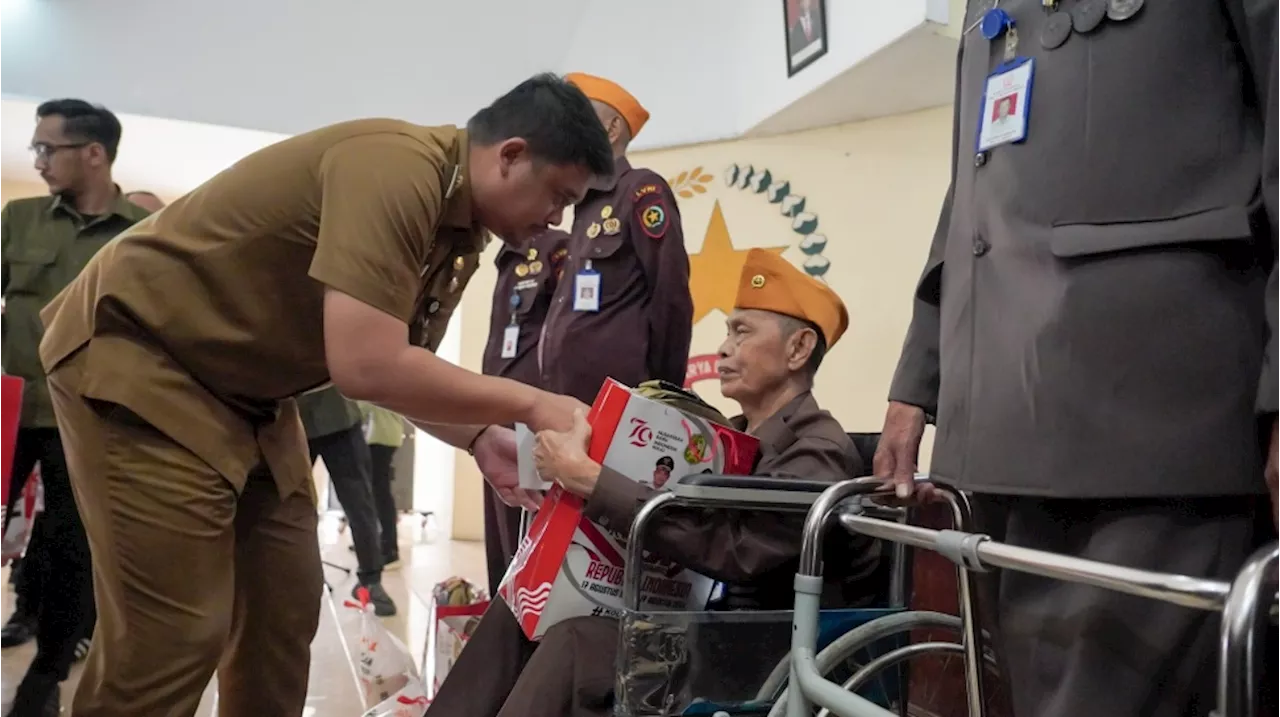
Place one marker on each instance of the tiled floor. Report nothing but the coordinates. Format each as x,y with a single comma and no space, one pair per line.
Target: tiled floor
334,692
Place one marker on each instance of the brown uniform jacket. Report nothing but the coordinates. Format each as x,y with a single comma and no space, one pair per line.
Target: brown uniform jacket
630,233
754,552
1092,319
531,275
206,319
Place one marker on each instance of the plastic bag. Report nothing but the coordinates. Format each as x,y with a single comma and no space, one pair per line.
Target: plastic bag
386,668
457,606
410,701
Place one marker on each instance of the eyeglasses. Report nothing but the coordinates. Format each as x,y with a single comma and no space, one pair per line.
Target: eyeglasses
42,151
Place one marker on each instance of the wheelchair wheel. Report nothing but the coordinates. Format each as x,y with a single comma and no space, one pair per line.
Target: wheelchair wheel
852,654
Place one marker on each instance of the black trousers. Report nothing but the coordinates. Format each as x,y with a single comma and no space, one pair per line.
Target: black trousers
346,455
1069,650
57,572
383,502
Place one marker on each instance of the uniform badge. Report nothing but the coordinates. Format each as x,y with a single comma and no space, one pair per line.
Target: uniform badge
646,190
607,211
533,254
535,267
757,281
522,270
558,255
612,226
653,218
593,231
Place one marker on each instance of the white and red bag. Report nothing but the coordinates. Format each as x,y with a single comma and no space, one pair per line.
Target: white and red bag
409,701
569,567
457,606
386,668
18,533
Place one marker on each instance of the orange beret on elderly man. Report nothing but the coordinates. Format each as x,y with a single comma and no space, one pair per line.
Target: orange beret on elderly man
771,283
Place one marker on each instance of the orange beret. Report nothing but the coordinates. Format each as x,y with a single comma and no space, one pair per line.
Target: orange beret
771,283
602,90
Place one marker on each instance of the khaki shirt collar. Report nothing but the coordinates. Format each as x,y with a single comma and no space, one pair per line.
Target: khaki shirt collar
774,431
121,207
459,202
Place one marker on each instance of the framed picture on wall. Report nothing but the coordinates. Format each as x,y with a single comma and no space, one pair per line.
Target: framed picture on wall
806,26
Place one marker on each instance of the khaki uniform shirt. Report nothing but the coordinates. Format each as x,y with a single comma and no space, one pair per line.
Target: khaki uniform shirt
755,552
46,243
207,318
630,233
530,275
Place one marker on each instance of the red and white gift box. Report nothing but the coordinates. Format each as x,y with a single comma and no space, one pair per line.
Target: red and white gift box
569,567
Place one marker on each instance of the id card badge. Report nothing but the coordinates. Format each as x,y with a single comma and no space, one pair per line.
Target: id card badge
586,290
1006,104
510,341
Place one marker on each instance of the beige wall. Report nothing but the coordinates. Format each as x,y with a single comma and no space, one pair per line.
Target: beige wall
10,189
875,187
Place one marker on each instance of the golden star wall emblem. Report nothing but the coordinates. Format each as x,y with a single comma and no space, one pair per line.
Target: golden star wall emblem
715,269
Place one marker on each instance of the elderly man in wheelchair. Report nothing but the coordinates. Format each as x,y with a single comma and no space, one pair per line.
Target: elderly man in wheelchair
783,323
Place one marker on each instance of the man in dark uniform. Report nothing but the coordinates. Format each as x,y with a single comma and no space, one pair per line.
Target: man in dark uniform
1095,332
335,432
783,325
47,241
334,256
623,310
527,279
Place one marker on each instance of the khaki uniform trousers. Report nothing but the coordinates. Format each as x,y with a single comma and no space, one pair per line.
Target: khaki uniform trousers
189,577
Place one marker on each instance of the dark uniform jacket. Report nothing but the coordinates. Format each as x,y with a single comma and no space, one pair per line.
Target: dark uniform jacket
531,275
326,412
630,233
46,243
1092,317
754,552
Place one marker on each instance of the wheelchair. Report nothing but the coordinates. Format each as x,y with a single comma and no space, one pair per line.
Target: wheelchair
852,662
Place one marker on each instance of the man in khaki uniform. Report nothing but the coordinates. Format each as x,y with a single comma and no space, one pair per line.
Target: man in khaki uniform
337,255
46,242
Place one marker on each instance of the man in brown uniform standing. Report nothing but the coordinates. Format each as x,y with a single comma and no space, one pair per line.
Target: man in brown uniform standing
336,255
527,278
1095,332
623,310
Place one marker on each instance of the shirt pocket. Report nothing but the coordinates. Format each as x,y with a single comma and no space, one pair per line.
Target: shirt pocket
1225,224
29,268
611,256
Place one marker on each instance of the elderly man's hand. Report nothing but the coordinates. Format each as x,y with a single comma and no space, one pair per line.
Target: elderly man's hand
561,456
896,455
1272,473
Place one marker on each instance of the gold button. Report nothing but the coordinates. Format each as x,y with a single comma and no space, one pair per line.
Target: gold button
606,212
459,264
757,281
533,254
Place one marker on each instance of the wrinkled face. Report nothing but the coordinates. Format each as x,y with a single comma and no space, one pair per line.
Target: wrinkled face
757,355
519,196
63,162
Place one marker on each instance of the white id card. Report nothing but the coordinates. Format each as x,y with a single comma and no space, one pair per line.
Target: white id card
510,341
1006,104
586,291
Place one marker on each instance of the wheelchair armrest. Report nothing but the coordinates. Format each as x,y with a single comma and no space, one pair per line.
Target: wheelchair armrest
749,490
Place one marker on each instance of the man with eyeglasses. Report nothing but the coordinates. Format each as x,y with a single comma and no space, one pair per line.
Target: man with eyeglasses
46,243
